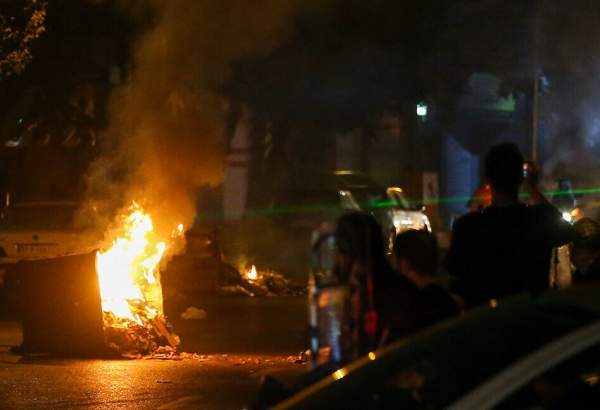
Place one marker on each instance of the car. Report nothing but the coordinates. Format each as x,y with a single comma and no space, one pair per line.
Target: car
45,229
526,352
342,191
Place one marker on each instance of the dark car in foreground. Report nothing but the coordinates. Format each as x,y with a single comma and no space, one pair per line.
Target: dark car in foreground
528,352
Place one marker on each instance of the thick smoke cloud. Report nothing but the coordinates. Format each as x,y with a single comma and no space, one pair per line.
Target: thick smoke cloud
166,123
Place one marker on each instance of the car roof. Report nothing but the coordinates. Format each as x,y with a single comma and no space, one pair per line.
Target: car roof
463,352
340,179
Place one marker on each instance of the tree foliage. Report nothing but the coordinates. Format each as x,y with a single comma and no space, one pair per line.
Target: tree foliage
21,23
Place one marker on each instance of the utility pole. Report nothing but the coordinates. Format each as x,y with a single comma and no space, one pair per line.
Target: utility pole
536,79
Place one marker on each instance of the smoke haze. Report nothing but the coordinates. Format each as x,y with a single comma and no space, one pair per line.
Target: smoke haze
166,123
570,106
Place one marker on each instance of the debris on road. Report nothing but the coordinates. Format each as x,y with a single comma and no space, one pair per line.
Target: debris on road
235,290
132,340
256,282
250,361
194,313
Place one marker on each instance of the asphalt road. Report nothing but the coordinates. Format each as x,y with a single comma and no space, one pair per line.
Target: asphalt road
239,340
271,325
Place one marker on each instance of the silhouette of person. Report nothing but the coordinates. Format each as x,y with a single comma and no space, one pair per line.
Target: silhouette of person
375,287
416,257
585,251
505,248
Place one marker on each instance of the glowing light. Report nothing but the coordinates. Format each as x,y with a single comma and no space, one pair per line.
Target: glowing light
493,303
567,216
426,223
577,214
591,379
422,110
339,374
372,356
128,276
252,274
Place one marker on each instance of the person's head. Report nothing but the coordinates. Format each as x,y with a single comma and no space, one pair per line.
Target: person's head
586,246
359,240
504,168
416,255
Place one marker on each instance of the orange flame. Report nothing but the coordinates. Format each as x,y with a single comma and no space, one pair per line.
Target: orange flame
251,274
128,271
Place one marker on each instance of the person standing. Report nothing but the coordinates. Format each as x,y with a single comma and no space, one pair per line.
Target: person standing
416,257
506,248
585,252
378,294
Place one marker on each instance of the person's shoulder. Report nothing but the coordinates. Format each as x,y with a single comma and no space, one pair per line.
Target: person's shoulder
440,296
546,214
467,220
434,291
544,210
397,293
402,288
401,283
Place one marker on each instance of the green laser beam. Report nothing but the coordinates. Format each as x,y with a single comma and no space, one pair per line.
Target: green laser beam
385,204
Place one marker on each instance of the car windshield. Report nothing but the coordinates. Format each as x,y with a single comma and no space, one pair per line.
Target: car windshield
43,216
364,190
367,198
398,199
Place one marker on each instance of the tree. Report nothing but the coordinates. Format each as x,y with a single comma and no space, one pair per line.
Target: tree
21,23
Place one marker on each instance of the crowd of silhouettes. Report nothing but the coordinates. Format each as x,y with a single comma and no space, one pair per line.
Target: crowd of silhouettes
390,297
502,248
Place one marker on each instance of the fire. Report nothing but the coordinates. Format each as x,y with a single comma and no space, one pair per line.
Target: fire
128,275
251,274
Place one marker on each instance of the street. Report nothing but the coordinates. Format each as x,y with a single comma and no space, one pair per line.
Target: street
351,204
253,337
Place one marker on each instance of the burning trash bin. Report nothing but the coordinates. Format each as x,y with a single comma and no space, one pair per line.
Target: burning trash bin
100,303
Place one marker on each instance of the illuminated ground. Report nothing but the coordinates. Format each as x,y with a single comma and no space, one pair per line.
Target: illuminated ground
252,336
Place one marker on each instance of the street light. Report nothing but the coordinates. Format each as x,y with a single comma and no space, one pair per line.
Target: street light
422,110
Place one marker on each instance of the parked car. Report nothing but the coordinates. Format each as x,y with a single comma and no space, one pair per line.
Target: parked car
40,230
528,352
343,191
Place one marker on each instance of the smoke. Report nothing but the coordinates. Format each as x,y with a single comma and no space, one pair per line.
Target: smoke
166,123
570,108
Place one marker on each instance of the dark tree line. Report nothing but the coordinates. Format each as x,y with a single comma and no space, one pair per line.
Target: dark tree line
363,58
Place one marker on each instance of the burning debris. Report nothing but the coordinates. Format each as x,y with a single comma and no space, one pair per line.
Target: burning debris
251,274
133,340
130,287
253,282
